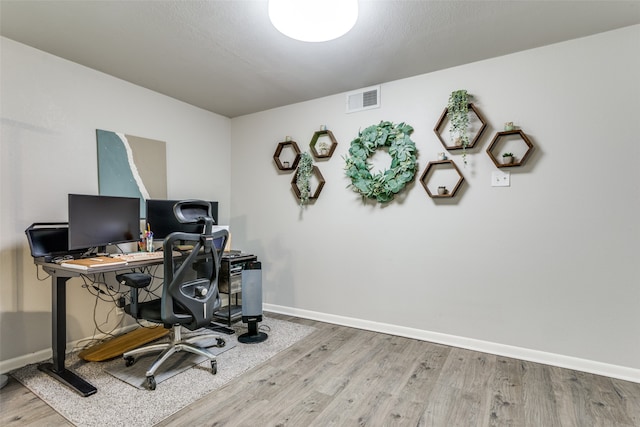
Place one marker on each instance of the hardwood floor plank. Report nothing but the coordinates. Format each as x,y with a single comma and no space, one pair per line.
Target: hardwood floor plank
587,397
301,411
540,407
363,378
461,395
408,381
604,404
630,394
21,407
506,393
452,406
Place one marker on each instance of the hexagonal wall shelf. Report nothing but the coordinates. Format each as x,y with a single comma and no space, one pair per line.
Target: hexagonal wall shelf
429,173
444,119
316,193
326,152
510,141
283,147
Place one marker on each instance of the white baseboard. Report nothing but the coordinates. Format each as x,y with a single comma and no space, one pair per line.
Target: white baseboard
559,360
42,355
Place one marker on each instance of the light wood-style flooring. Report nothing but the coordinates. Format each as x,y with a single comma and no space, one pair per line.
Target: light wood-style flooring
340,376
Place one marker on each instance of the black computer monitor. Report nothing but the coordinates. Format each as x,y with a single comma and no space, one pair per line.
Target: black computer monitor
99,221
162,221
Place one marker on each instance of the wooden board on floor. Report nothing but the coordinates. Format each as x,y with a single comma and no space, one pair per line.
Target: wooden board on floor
117,346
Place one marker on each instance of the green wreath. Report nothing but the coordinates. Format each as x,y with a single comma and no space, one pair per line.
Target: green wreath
383,185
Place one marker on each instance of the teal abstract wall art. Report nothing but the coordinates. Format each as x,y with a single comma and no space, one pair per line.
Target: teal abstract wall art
131,166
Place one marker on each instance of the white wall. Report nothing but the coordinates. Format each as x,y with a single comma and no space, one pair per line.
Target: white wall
544,269
50,110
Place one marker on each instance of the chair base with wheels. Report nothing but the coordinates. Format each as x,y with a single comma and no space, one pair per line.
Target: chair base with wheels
175,345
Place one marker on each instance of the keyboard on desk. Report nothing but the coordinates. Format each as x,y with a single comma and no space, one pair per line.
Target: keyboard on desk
142,256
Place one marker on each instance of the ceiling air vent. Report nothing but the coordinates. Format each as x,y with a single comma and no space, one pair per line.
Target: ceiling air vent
363,99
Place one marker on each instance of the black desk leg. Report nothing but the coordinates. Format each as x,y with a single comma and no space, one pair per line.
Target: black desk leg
59,341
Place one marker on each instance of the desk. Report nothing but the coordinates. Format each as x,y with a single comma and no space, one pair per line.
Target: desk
59,277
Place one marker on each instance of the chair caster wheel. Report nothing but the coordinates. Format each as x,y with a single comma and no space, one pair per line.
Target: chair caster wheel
214,367
151,383
220,342
128,361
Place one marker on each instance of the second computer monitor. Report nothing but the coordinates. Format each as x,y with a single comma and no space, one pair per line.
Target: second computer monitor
162,221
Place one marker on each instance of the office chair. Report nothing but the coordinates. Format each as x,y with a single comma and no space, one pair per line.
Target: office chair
190,293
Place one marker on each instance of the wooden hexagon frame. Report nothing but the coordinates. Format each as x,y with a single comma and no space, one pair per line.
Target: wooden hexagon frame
440,164
495,143
442,120
321,182
276,155
314,140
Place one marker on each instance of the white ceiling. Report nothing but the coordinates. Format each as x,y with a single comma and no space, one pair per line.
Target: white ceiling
225,57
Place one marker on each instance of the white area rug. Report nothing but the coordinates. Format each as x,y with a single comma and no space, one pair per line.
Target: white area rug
120,404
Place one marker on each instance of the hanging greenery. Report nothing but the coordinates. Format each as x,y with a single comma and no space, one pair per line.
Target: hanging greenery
383,185
458,112
303,177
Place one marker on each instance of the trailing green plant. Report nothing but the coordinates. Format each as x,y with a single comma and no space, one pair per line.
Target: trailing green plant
458,113
383,185
507,155
303,177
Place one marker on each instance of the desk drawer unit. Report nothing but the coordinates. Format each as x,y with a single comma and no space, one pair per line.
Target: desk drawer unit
230,284
230,277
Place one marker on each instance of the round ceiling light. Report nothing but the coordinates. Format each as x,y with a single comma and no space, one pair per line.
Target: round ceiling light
313,20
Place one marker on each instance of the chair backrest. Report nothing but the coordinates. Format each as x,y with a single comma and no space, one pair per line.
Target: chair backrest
190,293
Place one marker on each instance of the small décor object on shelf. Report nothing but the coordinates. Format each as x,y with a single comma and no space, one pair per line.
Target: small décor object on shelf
507,158
508,126
303,177
286,164
383,185
442,156
442,190
287,138
324,148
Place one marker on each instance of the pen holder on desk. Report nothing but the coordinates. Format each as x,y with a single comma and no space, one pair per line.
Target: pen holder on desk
148,239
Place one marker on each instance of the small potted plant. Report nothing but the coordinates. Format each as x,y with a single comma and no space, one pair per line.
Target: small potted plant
324,148
442,190
507,158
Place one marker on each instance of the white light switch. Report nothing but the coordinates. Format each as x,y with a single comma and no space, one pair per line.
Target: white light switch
500,179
